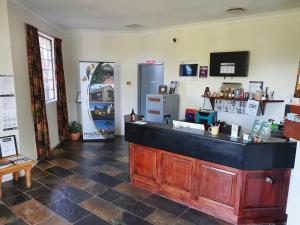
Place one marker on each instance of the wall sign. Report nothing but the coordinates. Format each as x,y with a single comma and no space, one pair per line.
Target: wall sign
8,146
8,112
97,100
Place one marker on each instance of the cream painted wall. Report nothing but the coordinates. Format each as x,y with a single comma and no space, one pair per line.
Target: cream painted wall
5,53
273,41
17,19
120,48
6,66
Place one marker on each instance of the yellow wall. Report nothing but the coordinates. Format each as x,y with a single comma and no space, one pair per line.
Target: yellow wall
273,42
17,19
6,66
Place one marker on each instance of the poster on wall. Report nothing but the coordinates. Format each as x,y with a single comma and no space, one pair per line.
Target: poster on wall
97,100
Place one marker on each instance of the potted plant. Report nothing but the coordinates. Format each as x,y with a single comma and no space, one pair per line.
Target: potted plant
75,130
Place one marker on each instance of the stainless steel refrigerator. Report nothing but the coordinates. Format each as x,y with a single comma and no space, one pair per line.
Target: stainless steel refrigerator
150,76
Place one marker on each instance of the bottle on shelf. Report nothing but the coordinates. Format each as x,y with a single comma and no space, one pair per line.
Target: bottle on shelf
132,116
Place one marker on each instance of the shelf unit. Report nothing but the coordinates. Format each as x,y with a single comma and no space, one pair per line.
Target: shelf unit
292,128
262,102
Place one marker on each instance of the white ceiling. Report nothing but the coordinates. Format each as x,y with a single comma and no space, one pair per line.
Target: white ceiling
152,14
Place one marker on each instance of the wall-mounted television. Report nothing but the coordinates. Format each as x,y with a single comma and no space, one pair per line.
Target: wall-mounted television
188,70
232,64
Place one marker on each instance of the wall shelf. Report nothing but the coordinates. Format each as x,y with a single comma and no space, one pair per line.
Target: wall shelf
262,102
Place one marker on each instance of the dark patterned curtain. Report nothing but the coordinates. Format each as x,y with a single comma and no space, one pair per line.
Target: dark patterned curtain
62,109
38,105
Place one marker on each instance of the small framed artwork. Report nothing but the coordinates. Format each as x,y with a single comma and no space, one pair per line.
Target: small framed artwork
173,87
203,71
254,88
8,146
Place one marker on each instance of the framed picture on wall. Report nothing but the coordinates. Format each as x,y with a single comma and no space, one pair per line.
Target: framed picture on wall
8,146
203,71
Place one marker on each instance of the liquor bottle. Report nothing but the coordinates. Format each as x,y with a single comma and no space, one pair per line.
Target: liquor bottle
132,116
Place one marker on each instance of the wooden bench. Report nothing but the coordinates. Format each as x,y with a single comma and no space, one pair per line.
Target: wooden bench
14,169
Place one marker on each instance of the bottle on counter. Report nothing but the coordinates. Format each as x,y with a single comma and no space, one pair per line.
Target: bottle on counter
132,116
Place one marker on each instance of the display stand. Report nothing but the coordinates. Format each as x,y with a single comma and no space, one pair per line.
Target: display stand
262,102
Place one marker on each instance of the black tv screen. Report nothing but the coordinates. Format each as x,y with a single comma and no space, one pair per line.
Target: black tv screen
188,70
232,64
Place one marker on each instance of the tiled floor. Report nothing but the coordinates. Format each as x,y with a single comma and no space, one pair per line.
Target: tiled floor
88,184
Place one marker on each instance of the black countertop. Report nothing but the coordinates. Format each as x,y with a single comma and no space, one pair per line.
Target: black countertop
221,149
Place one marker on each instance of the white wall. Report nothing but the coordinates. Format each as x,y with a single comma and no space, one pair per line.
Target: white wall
17,19
96,46
6,66
273,42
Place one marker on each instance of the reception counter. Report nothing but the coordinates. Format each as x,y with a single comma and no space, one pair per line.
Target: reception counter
233,180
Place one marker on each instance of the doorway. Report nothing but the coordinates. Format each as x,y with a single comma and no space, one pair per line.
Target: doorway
150,76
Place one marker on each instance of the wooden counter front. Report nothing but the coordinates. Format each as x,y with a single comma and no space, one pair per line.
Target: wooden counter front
234,195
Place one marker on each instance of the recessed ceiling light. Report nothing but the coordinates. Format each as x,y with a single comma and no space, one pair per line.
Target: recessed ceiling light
135,26
236,10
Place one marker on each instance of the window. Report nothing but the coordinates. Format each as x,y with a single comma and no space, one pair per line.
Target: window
47,57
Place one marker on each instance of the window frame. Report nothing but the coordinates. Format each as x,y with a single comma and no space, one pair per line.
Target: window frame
51,39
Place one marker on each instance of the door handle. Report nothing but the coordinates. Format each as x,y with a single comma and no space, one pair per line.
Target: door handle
270,180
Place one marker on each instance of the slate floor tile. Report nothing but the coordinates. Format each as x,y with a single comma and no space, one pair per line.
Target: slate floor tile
68,210
136,207
123,158
51,181
165,204
110,195
65,163
129,219
17,222
102,209
14,199
32,211
109,170
45,195
85,162
180,221
106,159
59,171
44,164
74,194
6,215
132,191
79,181
161,217
92,220
124,176
121,165
55,220
105,179
199,218
97,189
21,185
85,171
37,173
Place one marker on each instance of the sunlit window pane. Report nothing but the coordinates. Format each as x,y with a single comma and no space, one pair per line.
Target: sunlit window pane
46,49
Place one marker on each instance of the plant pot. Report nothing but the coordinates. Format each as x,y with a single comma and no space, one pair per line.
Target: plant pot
75,136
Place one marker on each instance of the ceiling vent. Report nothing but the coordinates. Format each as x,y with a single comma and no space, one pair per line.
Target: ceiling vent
135,26
236,10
